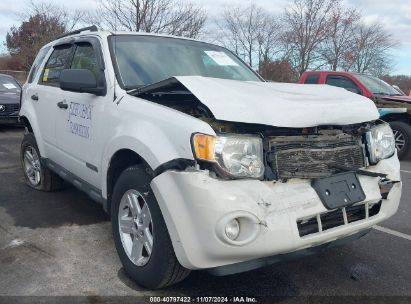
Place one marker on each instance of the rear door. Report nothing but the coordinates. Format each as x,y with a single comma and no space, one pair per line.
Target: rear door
46,94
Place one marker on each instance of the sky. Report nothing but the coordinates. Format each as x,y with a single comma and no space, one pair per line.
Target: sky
395,15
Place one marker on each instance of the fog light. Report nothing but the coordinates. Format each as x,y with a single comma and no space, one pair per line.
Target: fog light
232,229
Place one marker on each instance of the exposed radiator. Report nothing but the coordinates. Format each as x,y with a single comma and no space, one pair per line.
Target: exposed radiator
314,156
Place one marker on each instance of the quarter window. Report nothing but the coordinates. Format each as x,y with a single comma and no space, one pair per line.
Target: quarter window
36,64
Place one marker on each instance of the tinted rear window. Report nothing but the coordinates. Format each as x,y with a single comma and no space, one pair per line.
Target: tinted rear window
312,79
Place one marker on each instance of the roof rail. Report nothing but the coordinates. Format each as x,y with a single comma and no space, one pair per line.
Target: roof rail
92,28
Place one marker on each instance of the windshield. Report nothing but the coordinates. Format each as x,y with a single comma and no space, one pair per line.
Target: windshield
144,60
377,86
8,85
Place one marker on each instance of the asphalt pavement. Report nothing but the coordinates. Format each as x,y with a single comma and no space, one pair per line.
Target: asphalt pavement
61,244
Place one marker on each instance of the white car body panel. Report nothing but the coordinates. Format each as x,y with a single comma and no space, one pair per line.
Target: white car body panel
280,104
157,133
193,202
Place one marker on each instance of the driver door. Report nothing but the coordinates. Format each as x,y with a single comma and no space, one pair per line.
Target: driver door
79,120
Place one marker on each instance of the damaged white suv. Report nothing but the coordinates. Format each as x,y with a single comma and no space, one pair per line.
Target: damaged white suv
201,164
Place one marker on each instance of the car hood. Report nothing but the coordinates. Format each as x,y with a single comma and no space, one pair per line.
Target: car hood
280,104
9,98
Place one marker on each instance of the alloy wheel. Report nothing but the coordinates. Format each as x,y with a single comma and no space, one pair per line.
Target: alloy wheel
399,140
136,227
32,166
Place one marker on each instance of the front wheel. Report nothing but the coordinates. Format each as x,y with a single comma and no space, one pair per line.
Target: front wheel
140,233
402,134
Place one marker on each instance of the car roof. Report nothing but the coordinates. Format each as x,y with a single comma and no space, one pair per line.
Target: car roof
335,72
105,34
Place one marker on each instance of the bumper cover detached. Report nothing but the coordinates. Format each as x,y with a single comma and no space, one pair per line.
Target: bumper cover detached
197,207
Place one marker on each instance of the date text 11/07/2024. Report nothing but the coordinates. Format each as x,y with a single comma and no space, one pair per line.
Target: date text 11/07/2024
203,300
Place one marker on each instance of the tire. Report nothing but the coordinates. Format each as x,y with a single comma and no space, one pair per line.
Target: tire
41,178
160,268
402,132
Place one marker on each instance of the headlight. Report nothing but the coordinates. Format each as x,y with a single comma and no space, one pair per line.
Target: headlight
380,142
236,155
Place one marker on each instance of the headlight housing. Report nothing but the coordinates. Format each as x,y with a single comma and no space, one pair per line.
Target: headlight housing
380,143
237,156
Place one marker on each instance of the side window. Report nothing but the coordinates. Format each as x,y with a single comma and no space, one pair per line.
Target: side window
312,79
59,60
343,82
36,64
85,58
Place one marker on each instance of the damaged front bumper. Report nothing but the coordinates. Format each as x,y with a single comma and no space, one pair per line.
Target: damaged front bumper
197,207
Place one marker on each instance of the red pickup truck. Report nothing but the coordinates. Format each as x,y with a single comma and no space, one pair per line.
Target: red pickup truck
394,106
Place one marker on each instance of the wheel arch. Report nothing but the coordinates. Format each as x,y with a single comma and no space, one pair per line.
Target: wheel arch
26,124
404,117
121,160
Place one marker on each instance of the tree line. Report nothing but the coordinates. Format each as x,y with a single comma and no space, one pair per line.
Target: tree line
307,35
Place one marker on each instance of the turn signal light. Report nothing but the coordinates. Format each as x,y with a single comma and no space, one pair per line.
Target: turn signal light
204,146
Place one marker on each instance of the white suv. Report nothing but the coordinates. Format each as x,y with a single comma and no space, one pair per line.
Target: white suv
200,163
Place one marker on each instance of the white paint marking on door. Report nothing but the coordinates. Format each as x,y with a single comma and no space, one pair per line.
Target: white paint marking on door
405,171
393,232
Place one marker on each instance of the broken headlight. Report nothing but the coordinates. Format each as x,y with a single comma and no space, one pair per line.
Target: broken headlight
237,156
380,143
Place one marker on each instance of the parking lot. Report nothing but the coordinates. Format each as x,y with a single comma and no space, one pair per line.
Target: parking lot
61,244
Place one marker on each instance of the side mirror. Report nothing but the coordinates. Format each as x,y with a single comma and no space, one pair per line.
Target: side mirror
81,81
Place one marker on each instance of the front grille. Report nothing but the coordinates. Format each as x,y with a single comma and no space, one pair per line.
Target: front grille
336,218
9,109
314,156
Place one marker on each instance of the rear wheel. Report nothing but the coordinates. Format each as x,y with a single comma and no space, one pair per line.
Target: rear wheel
140,233
402,134
37,175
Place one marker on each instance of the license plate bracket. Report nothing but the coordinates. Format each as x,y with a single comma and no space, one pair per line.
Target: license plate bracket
339,190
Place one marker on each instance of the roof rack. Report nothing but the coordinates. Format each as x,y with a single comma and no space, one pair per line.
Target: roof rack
92,28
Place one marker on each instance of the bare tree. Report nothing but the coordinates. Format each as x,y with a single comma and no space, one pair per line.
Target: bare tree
250,32
152,16
340,38
68,18
370,50
307,26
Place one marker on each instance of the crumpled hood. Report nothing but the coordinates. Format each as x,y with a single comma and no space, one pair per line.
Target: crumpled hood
280,104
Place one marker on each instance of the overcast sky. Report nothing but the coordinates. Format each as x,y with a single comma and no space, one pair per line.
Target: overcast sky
394,14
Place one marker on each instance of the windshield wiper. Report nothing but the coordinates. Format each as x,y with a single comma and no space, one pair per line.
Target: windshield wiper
134,87
381,93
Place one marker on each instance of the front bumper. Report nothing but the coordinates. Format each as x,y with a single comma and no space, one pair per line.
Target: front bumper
9,120
196,207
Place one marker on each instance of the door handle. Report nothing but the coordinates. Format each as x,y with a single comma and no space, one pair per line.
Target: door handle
35,97
62,105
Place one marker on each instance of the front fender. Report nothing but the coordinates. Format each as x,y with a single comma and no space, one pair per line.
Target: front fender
156,133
